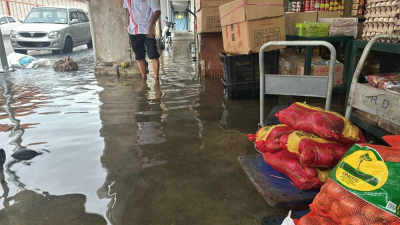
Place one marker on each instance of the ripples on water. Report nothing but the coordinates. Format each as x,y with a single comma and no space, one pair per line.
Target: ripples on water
124,151
57,114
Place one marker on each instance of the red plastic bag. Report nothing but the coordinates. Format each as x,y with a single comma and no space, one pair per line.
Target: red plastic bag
313,151
325,124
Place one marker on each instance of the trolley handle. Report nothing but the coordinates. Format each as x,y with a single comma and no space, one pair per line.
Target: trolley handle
296,43
360,65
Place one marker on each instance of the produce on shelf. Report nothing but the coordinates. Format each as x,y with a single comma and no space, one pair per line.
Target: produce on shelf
316,5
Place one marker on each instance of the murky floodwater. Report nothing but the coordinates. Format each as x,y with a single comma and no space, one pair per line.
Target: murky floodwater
124,151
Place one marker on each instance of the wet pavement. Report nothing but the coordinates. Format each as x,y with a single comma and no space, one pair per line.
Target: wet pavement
126,151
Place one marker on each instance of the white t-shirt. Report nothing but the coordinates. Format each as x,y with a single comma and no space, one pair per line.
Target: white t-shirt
140,15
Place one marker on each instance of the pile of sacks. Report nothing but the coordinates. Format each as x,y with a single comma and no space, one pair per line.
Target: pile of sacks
307,145
362,189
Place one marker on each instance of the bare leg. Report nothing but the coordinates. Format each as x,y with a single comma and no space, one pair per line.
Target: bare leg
156,67
142,67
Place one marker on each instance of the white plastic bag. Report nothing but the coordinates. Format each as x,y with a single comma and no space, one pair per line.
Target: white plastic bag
17,60
39,63
288,220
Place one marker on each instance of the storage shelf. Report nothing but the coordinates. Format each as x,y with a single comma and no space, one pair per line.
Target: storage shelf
357,50
348,40
326,38
379,46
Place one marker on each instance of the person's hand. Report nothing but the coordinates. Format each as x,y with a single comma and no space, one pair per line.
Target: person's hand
150,32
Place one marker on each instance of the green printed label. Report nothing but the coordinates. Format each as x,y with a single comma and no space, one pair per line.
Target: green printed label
363,172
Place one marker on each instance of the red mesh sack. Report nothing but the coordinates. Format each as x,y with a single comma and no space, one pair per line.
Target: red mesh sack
267,138
362,189
312,150
325,124
315,219
303,178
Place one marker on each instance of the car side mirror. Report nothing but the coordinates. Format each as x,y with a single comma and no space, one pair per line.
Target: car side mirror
74,21
3,23
21,20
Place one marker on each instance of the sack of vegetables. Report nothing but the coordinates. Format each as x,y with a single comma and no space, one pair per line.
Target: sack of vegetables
311,150
326,124
267,138
303,178
363,189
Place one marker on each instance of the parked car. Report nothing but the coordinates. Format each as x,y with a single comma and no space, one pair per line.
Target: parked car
7,23
59,29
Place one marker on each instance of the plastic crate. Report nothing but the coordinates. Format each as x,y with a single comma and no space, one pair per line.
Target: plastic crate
242,90
245,68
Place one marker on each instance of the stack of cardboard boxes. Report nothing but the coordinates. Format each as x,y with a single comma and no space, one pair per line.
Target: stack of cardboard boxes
249,24
209,36
246,26
243,26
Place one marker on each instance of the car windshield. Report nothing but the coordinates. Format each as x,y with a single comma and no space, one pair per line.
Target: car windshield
47,15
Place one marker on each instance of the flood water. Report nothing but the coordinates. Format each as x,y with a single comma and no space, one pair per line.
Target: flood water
119,150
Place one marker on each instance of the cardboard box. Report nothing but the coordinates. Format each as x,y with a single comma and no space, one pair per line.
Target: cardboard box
291,18
249,24
248,37
328,14
323,70
237,12
285,53
208,20
290,63
200,4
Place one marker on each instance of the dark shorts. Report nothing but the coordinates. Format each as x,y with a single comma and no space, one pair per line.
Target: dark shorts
140,43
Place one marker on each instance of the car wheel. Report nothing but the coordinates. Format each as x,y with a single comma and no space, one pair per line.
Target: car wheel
68,46
56,52
21,51
90,44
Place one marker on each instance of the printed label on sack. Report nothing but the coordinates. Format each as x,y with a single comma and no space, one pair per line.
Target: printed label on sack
363,172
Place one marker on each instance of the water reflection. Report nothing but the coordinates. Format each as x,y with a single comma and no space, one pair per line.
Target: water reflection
57,113
29,207
149,114
125,151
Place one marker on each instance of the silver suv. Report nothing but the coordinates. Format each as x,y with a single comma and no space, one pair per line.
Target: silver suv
58,29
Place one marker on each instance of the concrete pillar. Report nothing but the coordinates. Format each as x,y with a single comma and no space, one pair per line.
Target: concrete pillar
191,23
109,22
164,11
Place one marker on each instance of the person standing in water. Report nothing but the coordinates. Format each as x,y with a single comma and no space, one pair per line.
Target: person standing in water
143,15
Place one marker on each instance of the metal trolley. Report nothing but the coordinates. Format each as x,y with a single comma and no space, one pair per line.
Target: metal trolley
297,85
275,191
379,103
